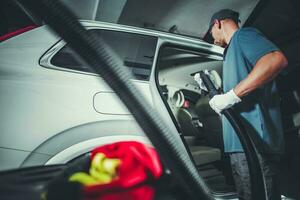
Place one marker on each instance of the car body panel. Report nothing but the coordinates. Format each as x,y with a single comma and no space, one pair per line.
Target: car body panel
88,145
60,108
13,158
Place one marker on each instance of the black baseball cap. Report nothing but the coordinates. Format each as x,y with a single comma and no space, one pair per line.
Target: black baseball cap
224,14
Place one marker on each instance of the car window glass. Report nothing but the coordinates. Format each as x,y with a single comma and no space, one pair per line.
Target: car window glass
136,52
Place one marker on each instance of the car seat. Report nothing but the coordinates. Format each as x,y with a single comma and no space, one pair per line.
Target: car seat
192,129
212,124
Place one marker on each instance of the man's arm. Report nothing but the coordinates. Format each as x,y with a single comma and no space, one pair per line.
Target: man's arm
265,70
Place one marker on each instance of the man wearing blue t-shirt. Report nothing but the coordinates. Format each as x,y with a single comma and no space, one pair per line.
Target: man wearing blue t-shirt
251,62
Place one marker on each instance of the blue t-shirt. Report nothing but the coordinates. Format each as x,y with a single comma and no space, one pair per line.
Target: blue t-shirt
260,109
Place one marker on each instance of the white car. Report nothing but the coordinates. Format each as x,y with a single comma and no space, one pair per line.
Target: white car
55,109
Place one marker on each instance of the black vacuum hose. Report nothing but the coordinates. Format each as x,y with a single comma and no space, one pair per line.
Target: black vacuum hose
256,176
102,60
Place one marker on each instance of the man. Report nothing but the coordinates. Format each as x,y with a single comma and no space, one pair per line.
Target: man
251,62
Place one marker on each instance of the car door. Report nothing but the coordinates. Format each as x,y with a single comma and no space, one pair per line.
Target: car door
99,116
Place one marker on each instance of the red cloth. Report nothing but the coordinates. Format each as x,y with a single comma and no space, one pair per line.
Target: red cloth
139,164
142,192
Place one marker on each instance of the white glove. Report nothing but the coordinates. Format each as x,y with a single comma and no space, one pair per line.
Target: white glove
223,101
200,82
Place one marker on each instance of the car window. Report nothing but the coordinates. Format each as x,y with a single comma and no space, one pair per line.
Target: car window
136,52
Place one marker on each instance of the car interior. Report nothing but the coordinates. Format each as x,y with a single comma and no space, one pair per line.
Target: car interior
201,127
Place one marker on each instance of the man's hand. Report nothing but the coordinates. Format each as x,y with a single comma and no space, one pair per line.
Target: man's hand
223,101
200,82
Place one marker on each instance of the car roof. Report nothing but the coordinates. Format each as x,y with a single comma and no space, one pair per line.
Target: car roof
163,35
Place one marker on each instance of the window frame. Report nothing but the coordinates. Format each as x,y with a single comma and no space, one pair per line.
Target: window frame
45,60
